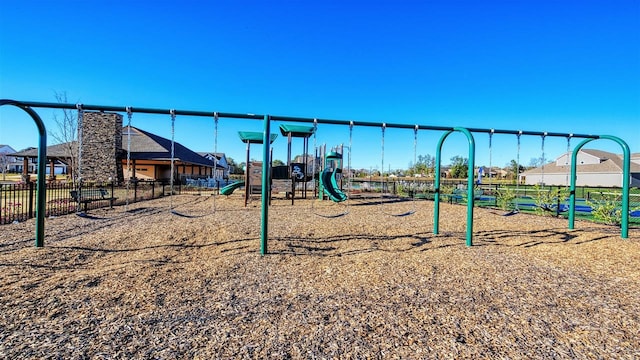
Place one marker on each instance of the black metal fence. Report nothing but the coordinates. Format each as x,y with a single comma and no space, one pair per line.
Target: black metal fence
18,201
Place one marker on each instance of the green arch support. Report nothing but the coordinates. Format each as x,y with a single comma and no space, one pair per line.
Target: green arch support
470,177
42,163
626,164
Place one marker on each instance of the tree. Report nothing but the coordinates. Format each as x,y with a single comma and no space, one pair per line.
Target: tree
278,162
514,169
429,163
4,162
459,167
66,133
425,164
535,162
236,168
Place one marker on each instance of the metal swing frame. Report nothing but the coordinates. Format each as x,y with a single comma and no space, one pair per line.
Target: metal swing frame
266,119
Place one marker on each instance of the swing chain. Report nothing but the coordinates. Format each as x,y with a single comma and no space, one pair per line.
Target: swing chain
350,174
384,126
517,209
315,156
566,162
415,145
491,132
544,136
80,133
215,145
173,121
129,172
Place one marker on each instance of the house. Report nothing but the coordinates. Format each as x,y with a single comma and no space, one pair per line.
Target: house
493,173
9,163
56,156
150,158
223,169
594,168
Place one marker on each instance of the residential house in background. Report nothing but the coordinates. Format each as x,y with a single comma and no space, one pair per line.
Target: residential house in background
223,169
26,159
150,158
594,168
9,163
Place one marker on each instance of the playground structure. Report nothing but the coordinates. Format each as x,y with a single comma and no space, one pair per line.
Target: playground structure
297,173
252,172
266,139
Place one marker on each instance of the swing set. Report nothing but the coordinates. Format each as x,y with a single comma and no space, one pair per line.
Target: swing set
266,142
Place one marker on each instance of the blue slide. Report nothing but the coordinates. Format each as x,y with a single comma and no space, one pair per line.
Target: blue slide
330,185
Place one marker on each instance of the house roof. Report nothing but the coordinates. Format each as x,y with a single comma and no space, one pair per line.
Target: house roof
148,146
210,155
219,155
610,163
53,151
144,146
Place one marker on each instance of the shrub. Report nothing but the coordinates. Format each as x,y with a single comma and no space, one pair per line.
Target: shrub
546,200
505,198
608,210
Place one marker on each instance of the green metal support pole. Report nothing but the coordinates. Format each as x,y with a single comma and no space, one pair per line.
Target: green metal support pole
470,183
41,194
626,174
470,178
323,152
266,188
247,178
436,208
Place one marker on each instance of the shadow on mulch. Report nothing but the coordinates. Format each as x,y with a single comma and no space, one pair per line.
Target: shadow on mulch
323,246
313,246
540,237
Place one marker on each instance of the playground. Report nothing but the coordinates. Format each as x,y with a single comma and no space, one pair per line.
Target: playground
144,283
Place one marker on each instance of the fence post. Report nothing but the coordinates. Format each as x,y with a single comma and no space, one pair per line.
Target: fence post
112,190
31,193
558,201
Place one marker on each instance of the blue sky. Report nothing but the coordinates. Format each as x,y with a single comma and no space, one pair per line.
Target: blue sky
563,66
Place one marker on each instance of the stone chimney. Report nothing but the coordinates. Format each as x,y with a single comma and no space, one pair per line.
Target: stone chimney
101,147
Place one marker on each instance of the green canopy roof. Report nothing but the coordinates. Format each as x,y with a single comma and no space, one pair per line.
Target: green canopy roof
254,137
331,155
296,130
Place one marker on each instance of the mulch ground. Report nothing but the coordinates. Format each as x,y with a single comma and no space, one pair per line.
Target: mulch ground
140,283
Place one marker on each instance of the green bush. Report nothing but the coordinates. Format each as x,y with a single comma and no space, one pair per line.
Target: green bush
505,197
544,198
607,209
446,189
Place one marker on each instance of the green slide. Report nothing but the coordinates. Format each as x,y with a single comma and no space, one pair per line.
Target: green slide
228,190
330,185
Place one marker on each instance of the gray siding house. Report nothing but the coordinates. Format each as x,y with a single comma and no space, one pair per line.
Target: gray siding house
594,168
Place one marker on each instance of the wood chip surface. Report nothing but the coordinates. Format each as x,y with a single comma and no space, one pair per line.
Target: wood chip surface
141,283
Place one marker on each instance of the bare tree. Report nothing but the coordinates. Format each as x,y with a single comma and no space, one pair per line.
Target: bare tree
66,133
4,162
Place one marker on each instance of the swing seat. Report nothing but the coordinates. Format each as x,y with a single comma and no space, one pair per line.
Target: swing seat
555,208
